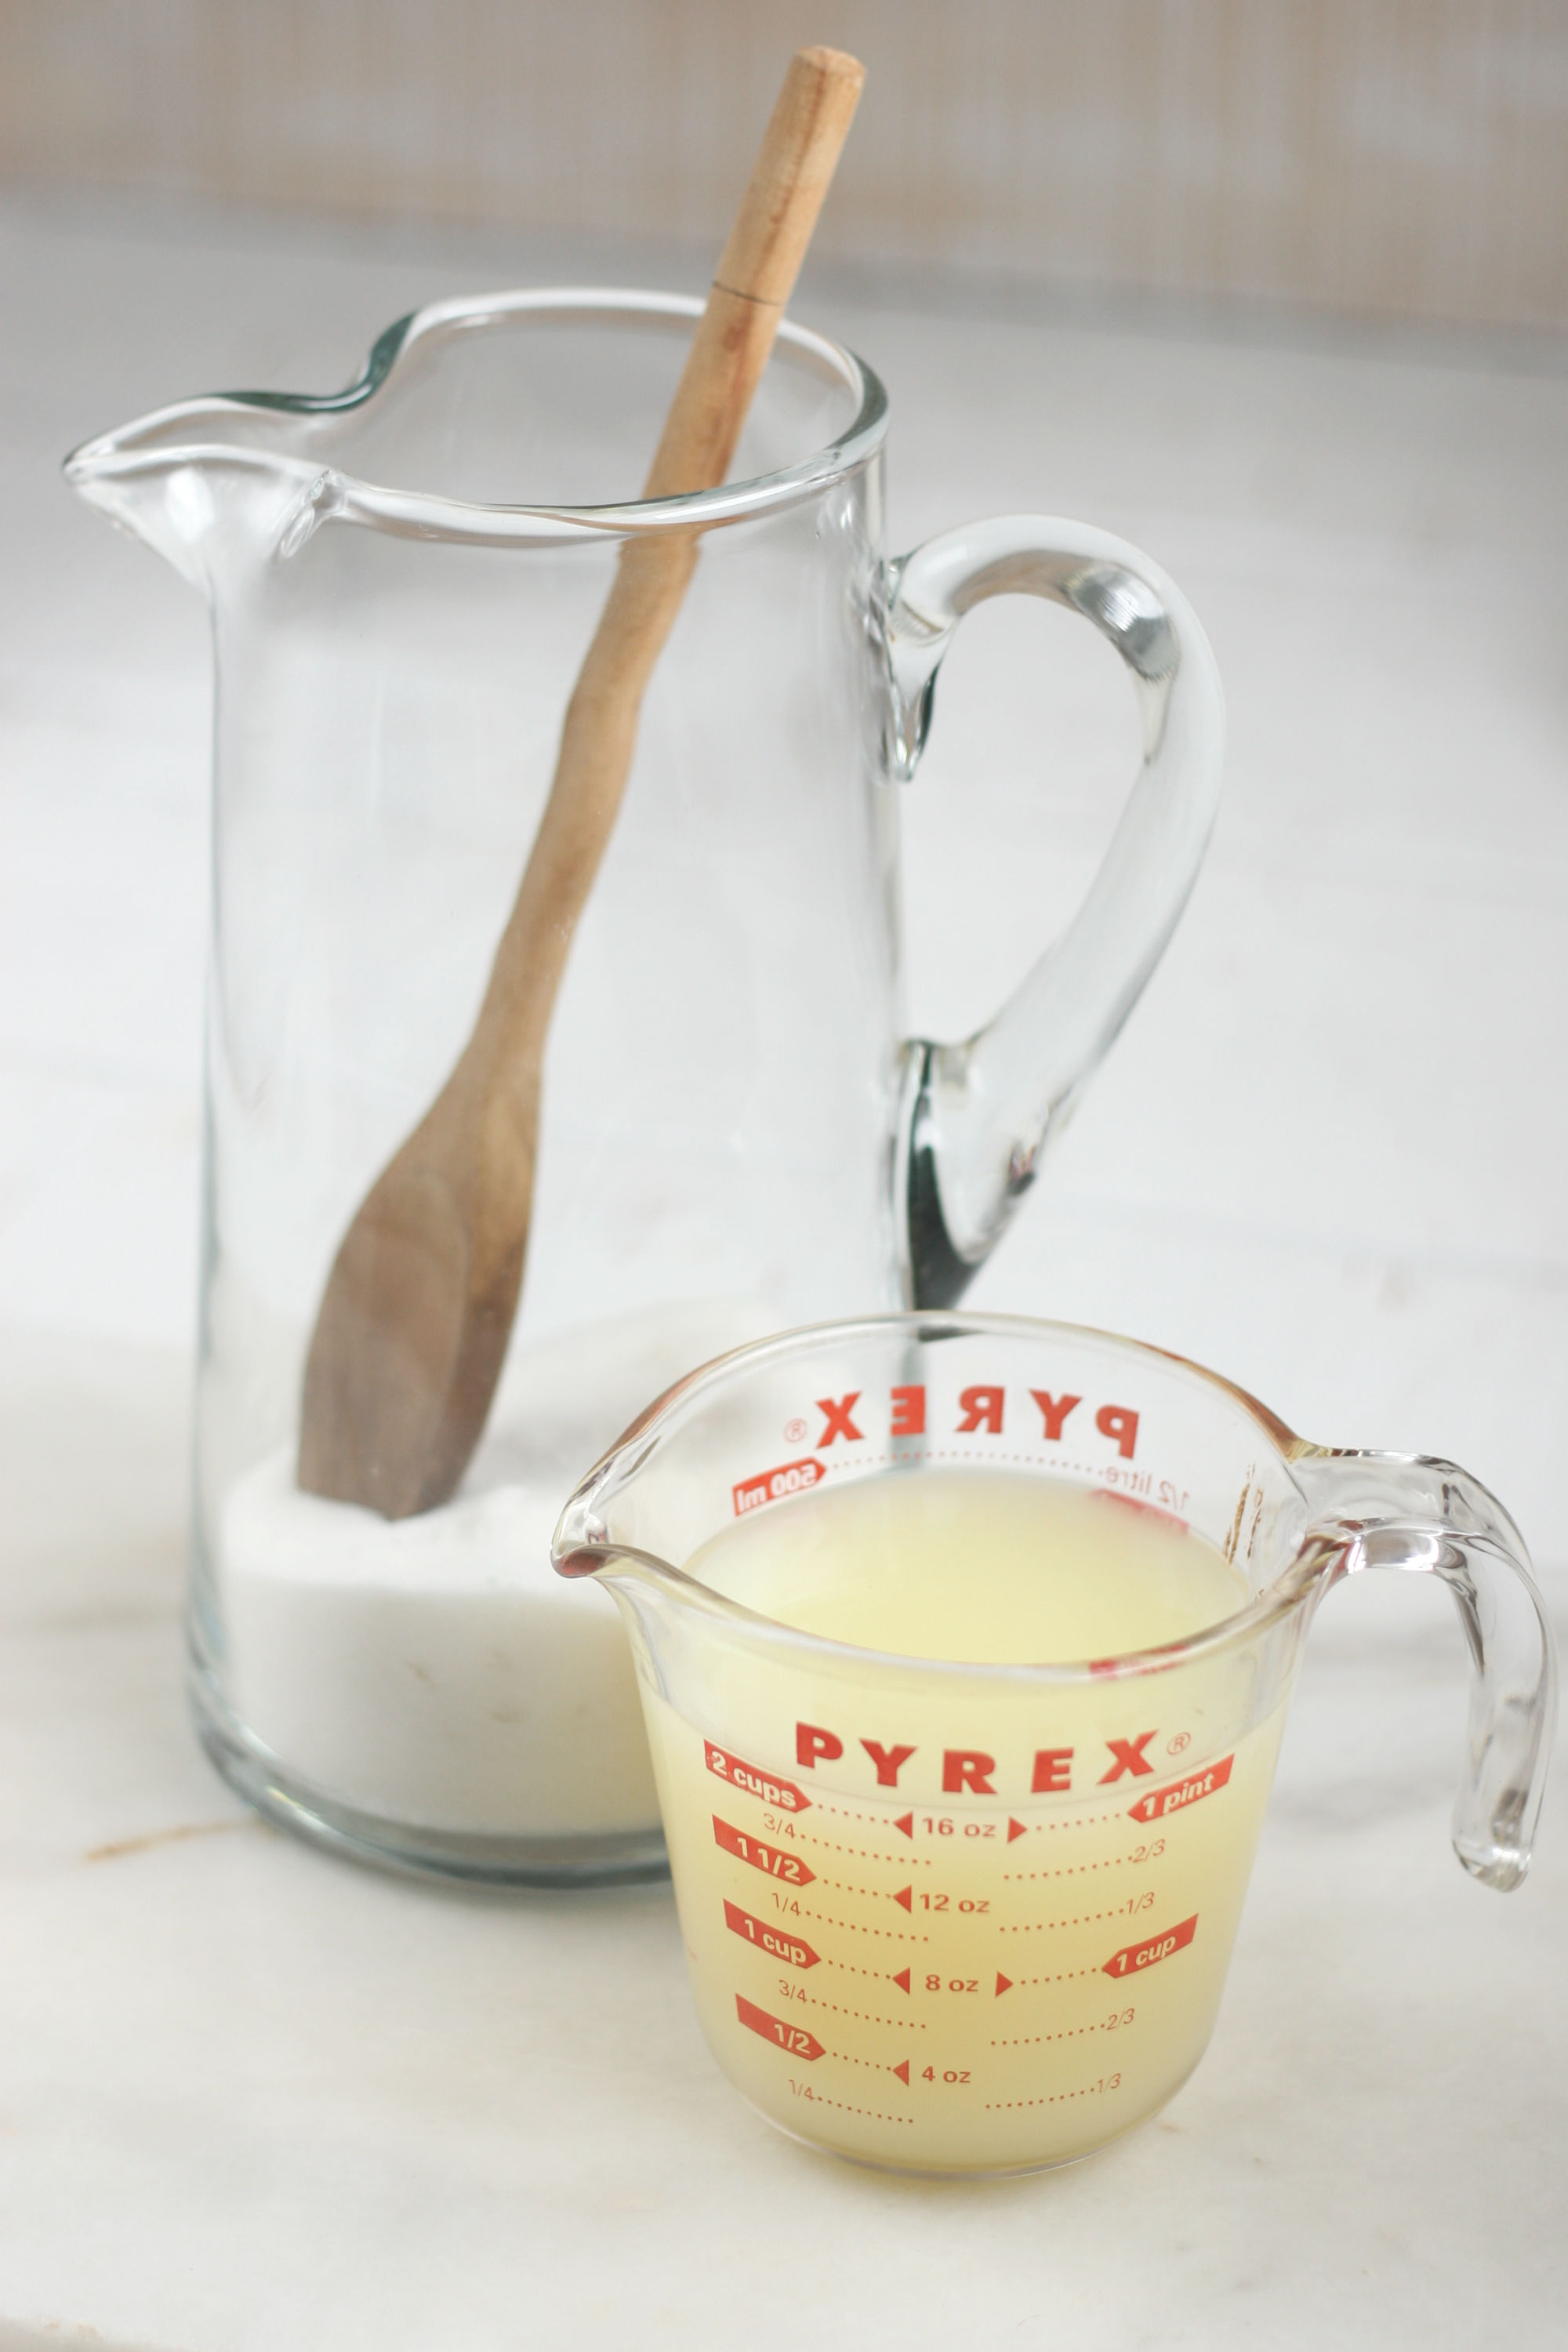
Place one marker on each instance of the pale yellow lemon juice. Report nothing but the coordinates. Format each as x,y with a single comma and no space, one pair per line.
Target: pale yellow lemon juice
989,1921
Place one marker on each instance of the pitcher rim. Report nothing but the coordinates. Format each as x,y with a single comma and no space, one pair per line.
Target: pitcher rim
1302,1575
168,439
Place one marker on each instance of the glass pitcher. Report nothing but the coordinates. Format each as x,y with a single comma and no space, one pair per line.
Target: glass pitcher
960,1917
736,1133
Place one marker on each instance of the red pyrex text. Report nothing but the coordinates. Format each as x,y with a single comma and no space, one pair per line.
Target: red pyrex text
982,1407
969,1771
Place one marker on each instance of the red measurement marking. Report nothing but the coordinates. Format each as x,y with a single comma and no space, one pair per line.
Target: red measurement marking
760,1855
1132,1957
902,2071
1161,1801
905,1896
1004,1984
772,1941
769,1485
903,1980
1014,1829
793,2038
906,1822
755,1782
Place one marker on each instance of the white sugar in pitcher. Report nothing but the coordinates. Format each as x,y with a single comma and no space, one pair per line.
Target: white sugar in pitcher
736,1135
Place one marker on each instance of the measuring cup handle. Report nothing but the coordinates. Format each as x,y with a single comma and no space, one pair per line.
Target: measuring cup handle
975,1117
1395,1510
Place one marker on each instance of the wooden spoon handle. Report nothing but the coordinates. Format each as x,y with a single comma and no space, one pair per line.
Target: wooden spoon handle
757,272
756,278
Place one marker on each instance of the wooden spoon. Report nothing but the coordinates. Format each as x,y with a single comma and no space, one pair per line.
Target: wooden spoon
418,1308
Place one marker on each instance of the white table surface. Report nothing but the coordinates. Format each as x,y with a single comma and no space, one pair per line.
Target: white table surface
252,2098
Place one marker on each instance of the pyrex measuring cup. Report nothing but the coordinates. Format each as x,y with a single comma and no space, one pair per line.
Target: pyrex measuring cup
736,1133
955,1918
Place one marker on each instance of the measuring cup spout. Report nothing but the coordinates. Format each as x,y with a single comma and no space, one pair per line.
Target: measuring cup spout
1405,1511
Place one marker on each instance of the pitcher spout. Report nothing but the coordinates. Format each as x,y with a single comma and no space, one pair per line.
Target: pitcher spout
201,505
231,478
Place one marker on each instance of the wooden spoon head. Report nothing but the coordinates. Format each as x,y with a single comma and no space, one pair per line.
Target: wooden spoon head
404,1359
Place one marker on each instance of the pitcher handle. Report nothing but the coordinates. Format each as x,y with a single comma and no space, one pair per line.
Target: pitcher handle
1398,1510
975,1118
